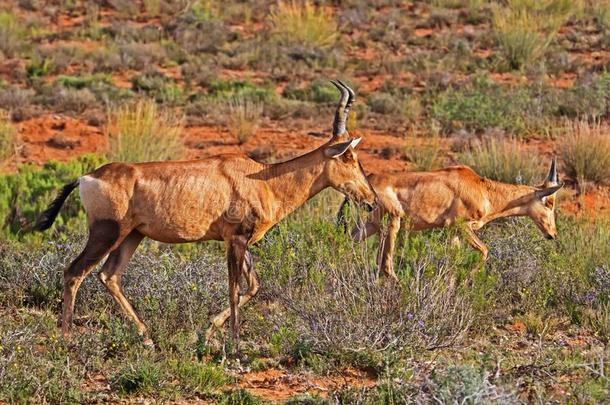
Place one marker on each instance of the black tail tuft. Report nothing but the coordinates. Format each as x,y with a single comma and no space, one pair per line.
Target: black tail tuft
48,216
341,215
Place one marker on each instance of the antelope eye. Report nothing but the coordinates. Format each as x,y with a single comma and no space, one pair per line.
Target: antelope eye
348,156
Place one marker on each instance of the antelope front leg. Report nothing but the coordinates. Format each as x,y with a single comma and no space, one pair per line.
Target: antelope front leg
249,273
385,258
474,241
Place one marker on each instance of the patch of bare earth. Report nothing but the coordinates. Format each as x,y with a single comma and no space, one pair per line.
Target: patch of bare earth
279,385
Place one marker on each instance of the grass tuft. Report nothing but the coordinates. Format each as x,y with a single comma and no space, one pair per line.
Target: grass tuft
9,139
503,160
140,132
11,35
243,117
586,151
525,28
301,22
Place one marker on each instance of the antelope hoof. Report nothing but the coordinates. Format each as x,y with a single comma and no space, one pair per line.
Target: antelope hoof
149,343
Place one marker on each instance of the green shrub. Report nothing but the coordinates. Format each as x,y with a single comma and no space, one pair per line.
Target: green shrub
504,160
140,132
589,97
39,66
238,397
142,376
304,24
318,91
585,150
24,195
199,378
160,88
383,103
99,84
482,105
240,89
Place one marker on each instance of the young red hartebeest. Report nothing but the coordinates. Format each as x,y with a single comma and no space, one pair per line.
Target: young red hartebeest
231,198
454,195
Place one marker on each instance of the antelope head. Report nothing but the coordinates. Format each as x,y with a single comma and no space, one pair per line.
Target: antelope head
342,169
541,206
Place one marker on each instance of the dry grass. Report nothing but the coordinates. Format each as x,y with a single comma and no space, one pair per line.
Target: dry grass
600,10
9,139
303,23
585,150
426,155
141,132
242,117
11,35
503,160
525,28
152,7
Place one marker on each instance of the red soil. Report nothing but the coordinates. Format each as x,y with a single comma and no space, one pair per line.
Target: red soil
279,385
59,138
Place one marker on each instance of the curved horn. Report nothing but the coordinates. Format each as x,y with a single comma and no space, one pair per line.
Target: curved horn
552,178
345,102
545,192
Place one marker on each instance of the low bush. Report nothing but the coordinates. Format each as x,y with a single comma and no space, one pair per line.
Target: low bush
140,56
141,132
585,150
504,160
384,103
204,37
245,90
73,100
589,97
162,89
481,105
318,91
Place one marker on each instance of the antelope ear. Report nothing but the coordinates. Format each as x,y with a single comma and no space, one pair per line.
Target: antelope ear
337,149
545,192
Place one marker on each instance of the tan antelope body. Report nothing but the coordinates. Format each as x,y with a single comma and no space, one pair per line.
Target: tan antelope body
230,198
452,196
